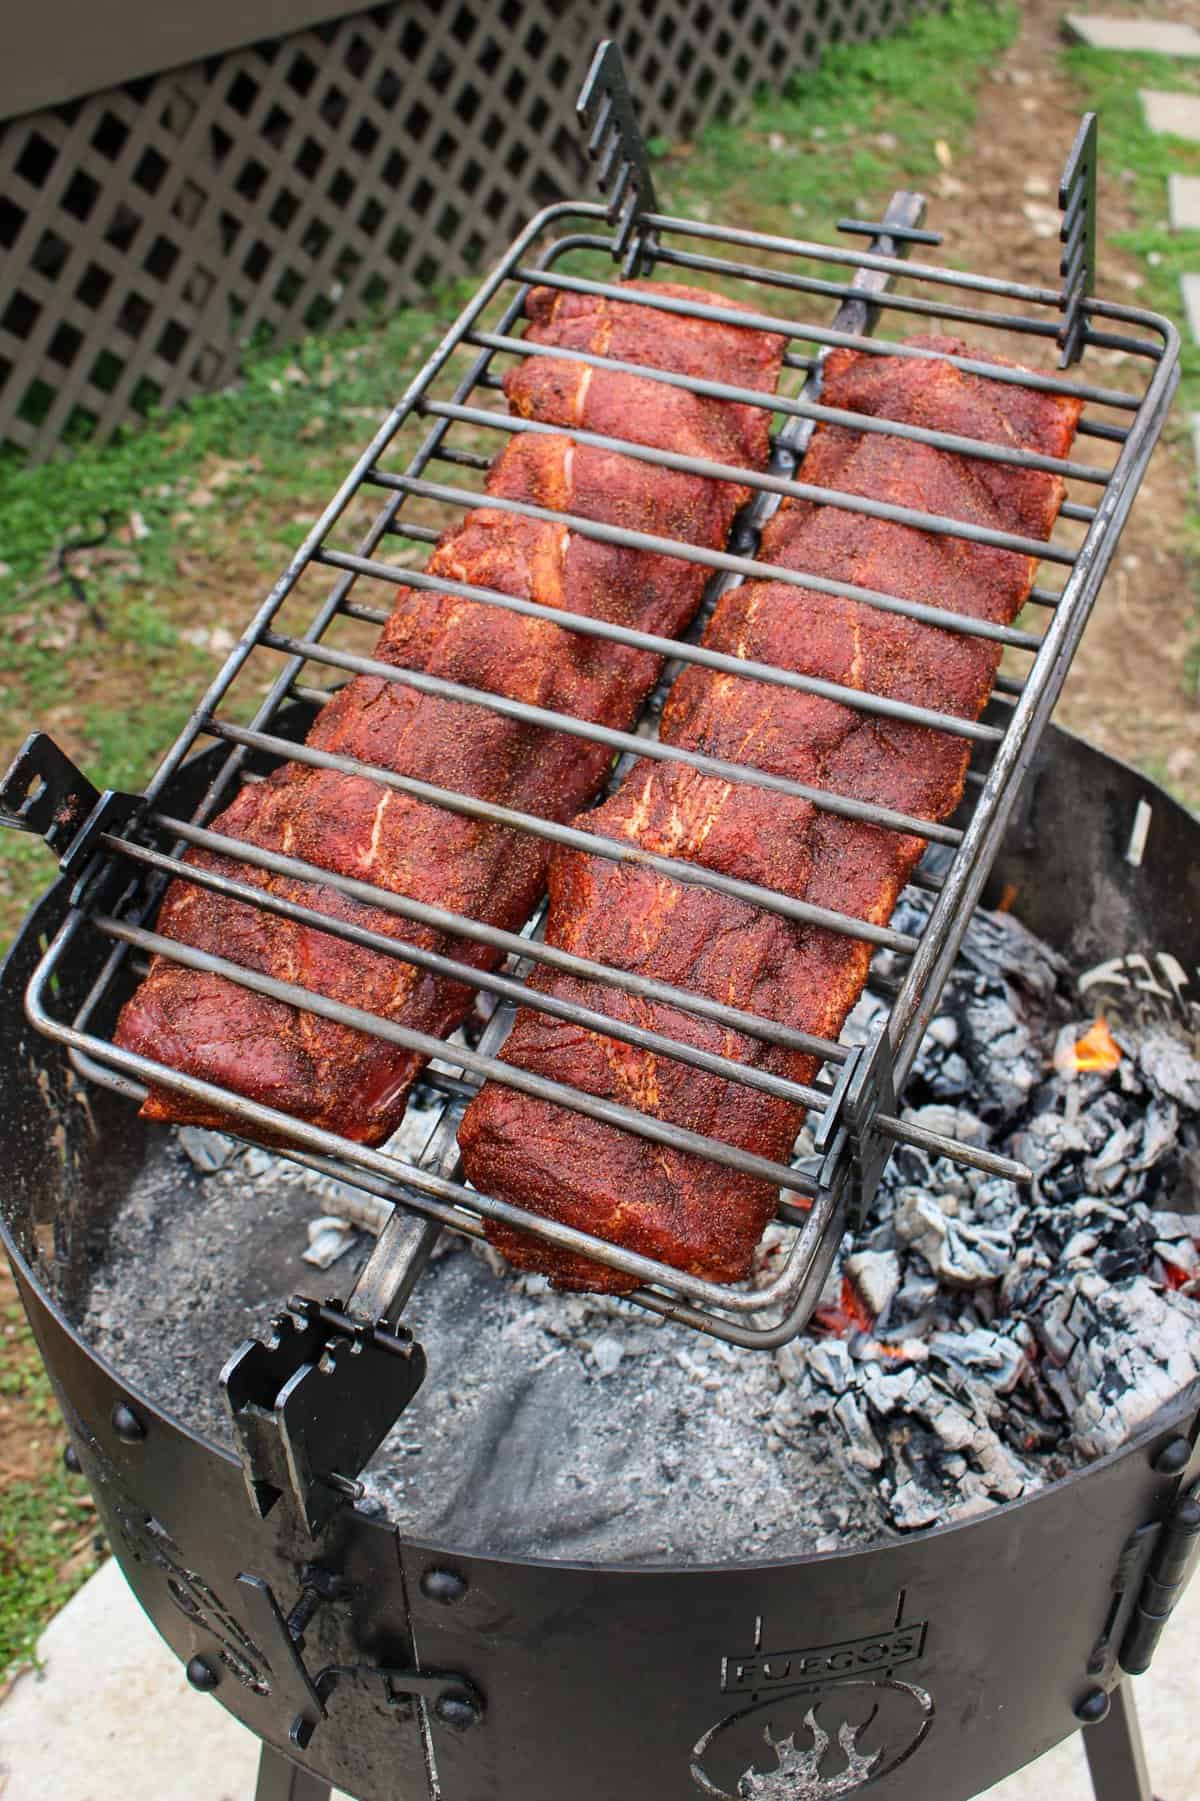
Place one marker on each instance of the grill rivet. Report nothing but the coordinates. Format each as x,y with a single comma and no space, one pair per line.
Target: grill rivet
445,1586
71,1460
1173,1458
126,1424
201,1674
1093,1707
456,1710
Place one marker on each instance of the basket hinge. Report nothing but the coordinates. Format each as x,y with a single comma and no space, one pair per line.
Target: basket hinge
615,142
312,1405
454,1700
44,793
1077,201
1169,1568
865,1088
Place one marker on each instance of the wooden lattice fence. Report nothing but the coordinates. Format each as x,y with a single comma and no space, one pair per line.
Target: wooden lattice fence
150,232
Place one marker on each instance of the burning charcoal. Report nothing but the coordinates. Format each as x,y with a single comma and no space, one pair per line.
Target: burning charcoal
876,1275
607,1352
1171,1069
944,1031
912,1507
1135,1350
1160,1134
961,1255
982,1353
208,1151
831,1363
864,1448
1172,1226
328,1239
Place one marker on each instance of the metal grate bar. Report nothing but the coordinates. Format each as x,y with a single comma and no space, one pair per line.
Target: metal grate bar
558,1094
637,745
513,944
799,408
935,523
861,699
814,334
519,993
591,842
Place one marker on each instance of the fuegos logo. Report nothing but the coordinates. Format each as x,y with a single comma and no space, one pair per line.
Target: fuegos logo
816,1723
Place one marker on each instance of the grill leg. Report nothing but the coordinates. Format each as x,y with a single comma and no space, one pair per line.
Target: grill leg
279,1779
1116,1758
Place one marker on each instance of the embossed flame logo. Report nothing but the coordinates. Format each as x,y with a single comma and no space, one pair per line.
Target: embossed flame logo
798,1777
875,1723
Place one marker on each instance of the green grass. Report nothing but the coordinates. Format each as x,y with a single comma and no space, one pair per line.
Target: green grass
44,1517
839,139
1144,159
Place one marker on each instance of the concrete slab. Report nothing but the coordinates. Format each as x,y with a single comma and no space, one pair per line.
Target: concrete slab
1154,37
1176,114
1190,285
111,1718
1183,201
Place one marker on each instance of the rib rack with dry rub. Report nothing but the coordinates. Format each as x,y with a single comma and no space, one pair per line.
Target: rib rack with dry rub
371,852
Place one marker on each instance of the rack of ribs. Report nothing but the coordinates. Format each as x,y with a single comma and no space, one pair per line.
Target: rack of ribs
318,1069
674,1206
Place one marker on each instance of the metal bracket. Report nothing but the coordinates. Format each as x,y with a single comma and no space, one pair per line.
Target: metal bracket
43,792
312,1405
605,112
454,1700
864,1089
1077,199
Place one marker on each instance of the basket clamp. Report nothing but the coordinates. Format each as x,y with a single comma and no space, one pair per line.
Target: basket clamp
605,112
865,1088
1077,200
311,1405
44,793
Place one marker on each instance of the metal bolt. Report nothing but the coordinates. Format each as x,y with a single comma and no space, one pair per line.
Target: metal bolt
1092,1707
71,1459
126,1424
201,1674
1173,1459
446,1586
456,1710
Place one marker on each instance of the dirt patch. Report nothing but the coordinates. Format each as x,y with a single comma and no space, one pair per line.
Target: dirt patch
1130,689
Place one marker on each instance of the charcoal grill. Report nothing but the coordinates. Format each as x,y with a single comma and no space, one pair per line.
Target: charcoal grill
311,1404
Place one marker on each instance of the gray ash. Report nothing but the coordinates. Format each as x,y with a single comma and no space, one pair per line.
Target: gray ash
973,1342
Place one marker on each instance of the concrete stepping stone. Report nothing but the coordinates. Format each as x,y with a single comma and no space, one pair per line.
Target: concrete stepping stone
1191,302
1178,114
1155,37
1183,196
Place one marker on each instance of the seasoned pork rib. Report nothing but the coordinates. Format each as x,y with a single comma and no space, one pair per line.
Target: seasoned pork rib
674,1206
333,1075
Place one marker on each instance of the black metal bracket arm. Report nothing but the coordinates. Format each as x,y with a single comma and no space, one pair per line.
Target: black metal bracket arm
44,793
1077,200
865,1089
453,1699
312,1405
605,112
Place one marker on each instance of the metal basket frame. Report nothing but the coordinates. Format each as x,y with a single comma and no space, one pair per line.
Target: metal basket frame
851,1104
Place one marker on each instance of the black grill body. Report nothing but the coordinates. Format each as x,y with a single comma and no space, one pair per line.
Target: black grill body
955,1655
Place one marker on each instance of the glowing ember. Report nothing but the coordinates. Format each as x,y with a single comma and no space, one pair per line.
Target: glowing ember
1097,1051
850,1315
